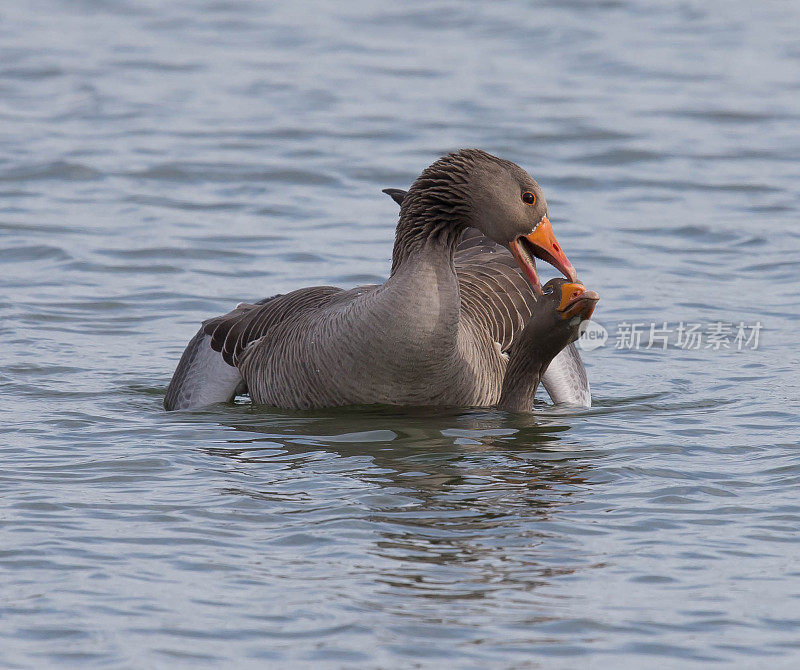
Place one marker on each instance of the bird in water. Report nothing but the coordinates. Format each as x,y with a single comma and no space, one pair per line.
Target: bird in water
437,332
555,323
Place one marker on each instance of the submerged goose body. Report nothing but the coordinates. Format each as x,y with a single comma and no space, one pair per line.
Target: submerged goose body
437,332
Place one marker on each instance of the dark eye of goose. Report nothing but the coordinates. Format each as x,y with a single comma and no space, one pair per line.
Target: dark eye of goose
528,198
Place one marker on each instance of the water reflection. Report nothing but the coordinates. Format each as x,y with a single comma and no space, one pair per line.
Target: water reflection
459,504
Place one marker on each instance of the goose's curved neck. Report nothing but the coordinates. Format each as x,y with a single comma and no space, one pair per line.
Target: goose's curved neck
423,290
521,382
433,215
428,237
528,361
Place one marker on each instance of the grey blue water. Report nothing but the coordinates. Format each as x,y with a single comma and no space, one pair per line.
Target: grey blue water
162,161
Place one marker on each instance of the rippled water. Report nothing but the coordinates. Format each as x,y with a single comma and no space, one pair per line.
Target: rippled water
160,162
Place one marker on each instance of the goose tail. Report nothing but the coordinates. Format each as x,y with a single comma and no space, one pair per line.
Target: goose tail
202,377
565,379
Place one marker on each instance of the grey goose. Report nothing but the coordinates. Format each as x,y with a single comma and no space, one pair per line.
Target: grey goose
437,332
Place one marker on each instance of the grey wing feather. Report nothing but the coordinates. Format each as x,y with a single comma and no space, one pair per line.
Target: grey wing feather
207,372
233,332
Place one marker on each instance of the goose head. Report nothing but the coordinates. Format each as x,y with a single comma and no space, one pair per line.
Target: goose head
495,196
558,315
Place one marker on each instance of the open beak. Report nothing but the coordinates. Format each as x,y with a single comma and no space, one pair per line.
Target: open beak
541,243
576,301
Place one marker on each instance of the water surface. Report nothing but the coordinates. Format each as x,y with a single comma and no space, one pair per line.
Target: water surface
160,162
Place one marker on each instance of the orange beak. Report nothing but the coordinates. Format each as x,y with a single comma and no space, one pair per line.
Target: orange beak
576,301
541,243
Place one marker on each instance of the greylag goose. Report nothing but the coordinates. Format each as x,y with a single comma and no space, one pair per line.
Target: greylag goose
565,379
435,333
554,324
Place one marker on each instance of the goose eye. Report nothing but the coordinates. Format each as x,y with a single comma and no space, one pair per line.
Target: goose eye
528,198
